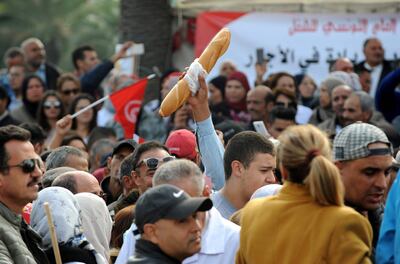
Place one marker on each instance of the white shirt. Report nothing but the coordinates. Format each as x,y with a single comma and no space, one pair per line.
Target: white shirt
219,242
375,76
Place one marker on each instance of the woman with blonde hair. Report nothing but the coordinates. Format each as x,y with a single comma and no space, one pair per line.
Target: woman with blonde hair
307,221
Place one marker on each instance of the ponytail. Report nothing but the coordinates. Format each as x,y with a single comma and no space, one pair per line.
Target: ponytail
305,153
324,182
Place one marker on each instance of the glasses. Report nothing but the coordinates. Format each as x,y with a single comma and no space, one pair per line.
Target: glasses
153,163
29,165
71,91
50,104
102,195
286,105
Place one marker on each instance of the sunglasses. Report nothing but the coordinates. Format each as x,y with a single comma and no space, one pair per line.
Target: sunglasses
29,165
50,104
286,105
72,91
153,163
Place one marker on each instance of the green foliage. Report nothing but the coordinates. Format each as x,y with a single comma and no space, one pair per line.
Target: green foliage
62,25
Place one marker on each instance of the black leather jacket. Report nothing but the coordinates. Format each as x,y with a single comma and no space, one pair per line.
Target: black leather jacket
148,253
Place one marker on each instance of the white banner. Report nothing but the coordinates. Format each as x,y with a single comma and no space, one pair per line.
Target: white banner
307,43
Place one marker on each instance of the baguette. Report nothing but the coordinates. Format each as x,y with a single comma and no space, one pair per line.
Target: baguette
180,93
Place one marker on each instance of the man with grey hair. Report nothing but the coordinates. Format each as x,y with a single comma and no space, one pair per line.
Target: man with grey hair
67,156
360,107
78,181
130,194
98,150
35,58
220,237
334,124
363,155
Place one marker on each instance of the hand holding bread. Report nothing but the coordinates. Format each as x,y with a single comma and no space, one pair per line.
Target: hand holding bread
181,91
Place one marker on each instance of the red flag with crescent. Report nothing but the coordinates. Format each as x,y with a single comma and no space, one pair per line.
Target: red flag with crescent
127,103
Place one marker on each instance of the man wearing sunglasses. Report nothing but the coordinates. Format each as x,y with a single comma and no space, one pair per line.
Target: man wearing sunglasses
147,158
219,236
20,173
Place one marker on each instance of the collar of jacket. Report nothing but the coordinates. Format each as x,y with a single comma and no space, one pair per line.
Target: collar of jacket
295,191
10,216
148,249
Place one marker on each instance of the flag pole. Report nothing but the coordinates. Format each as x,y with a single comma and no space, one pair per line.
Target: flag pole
149,77
53,235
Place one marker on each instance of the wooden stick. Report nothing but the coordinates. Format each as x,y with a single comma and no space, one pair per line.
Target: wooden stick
53,234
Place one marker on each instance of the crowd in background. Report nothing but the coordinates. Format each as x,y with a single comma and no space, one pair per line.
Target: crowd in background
317,149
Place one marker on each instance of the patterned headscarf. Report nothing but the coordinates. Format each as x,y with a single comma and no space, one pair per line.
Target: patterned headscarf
66,219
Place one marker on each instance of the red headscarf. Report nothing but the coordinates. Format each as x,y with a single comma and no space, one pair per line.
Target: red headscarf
241,77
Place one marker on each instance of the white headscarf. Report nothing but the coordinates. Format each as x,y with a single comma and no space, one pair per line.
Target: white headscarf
66,218
97,223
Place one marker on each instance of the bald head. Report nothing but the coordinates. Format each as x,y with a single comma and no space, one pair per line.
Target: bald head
343,64
78,182
257,102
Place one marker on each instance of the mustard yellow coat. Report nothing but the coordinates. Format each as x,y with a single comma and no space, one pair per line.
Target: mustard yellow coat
291,228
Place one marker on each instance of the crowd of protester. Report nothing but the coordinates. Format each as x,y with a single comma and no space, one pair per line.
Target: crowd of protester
283,170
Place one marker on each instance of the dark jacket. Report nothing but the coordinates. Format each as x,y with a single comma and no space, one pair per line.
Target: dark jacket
52,74
6,119
122,202
387,67
148,253
387,96
90,81
72,254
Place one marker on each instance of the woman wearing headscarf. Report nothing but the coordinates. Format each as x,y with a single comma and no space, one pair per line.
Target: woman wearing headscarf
96,221
236,90
74,247
306,222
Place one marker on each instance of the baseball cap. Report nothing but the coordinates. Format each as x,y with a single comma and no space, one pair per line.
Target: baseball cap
167,202
182,143
352,142
124,143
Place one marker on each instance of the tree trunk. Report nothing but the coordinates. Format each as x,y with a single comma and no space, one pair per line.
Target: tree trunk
148,22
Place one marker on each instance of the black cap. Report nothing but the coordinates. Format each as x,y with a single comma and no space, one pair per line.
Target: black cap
130,143
167,202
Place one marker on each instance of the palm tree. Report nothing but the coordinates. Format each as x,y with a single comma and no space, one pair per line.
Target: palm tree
148,22
61,25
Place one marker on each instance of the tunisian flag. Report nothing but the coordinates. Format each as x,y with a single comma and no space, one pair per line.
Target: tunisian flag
127,103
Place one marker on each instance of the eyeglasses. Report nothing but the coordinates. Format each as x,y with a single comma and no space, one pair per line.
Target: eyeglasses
50,104
102,195
71,91
153,163
28,165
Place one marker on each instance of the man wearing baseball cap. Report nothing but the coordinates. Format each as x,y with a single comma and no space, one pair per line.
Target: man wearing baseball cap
363,154
111,184
166,218
182,144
